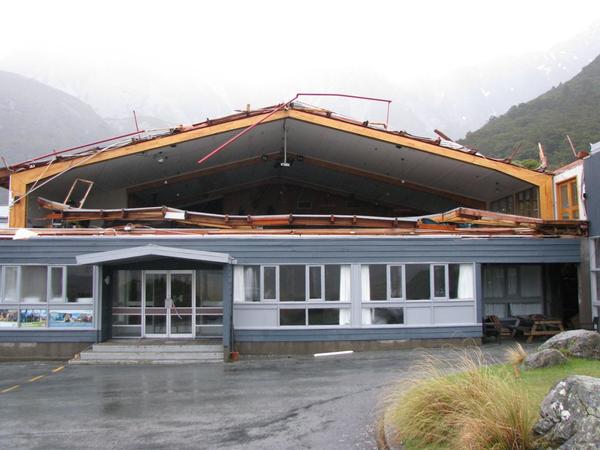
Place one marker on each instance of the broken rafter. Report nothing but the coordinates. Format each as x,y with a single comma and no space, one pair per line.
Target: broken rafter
481,222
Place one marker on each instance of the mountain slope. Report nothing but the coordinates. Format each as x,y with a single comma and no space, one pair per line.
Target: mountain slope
571,108
36,119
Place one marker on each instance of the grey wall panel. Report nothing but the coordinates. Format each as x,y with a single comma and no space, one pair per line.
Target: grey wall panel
591,176
358,334
59,250
49,336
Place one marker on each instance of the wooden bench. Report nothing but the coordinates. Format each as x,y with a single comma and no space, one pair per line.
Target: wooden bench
540,327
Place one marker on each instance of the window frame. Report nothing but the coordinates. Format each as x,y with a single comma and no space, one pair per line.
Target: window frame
573,204
47,306
261,281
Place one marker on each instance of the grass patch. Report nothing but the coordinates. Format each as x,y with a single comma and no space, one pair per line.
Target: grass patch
477,407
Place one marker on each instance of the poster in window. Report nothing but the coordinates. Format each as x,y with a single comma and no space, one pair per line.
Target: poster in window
8,318
71,319
33,318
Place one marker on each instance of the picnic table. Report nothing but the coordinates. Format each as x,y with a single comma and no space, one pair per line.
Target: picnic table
537,325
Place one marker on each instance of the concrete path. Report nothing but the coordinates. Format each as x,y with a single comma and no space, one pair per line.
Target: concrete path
294,403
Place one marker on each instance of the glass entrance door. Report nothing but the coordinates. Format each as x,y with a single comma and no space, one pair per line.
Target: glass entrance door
168,305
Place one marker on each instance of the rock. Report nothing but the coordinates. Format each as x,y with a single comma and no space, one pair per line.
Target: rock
570,414
580,343
544,358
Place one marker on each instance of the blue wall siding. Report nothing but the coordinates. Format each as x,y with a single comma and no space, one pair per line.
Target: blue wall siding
49,336
358,334
59,250
591,175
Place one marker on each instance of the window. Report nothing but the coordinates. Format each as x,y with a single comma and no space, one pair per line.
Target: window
44,296
270,283
209,288
33,284
567,199
301,295
128,289
417,282
377,284
383,316
460,281
512,282
524,203
439,281
315,279
246,286
292,283
11,284
292,317
56,284
396,283
402,290
80,284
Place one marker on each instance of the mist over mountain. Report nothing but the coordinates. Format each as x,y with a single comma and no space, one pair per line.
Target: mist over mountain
456,103
36,118
572,108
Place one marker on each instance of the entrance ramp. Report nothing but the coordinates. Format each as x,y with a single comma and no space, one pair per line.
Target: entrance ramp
152,351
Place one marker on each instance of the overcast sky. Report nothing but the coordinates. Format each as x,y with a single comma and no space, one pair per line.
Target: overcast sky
236,45
227,38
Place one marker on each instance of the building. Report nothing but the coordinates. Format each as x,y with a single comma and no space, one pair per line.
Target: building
307,231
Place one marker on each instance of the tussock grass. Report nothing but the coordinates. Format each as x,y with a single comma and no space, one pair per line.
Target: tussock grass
475,408
515,357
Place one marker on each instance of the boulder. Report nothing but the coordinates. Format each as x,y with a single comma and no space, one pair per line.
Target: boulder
544,358
580,343
570,414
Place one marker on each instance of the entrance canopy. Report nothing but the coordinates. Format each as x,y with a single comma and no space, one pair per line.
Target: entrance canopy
151,251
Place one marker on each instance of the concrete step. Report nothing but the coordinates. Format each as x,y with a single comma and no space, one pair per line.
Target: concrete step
154,356
90,362
152,348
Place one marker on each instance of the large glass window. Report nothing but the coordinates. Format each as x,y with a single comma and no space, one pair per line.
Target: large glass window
292,283
33,286
568,199
396,290
290,317
439,281
246,284
270,283
311,287
80,284
315,279
460,280
209,288
418,285
383,316
11,284
128,285
57,285
33,296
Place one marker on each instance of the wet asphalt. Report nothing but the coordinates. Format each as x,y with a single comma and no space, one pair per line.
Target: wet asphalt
285,403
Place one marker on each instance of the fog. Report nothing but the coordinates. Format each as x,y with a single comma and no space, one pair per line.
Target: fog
181,61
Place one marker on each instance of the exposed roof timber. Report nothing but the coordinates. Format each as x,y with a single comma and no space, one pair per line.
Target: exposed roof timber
145,231
394,181
450,221
201,173
467,201
20,180
277,179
